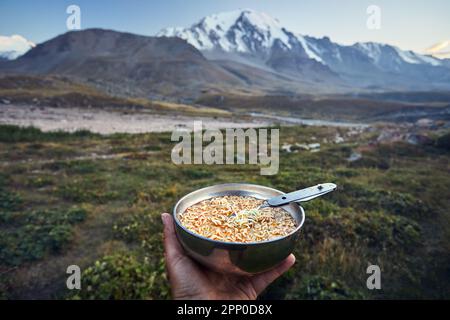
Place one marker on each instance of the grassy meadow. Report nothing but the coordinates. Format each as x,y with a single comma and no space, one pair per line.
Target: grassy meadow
95,201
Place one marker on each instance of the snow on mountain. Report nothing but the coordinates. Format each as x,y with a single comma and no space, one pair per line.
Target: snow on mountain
249,31
312,51
241,31
14,46
370,49
376,51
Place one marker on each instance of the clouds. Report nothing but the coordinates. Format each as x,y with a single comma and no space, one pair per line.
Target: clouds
440,49
13,46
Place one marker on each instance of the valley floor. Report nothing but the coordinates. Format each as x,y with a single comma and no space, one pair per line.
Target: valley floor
106,121
95,201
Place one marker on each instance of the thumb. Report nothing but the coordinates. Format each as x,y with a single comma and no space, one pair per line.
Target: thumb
172,247
261,281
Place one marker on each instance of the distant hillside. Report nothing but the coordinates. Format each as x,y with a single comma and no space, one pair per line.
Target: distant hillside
124,62
341,108
151,67
61,92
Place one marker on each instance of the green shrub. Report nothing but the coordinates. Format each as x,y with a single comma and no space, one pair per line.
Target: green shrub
370,162
58,237
123,276
197,173
12,133
75,215
376,230
152,148
363,198
86,191
31,235
73,167
130,228
4,180
39,182
346,173
322,288
82,167
321,206
141,228
9,201
6,217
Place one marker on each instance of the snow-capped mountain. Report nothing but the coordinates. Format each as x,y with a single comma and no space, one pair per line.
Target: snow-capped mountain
249,31
257,38
242,31
253,38
14,46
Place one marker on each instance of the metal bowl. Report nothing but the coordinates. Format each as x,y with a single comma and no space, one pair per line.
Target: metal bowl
234,257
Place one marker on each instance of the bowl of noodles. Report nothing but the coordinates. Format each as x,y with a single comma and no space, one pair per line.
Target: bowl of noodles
222,227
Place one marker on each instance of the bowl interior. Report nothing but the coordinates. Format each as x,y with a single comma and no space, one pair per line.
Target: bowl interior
238,189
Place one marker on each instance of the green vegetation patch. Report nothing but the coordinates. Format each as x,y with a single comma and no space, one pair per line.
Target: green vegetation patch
323,288
11,134
376,230
368,198
123,276
28,236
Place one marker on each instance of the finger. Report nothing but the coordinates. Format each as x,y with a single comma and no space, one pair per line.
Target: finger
261,281
172,247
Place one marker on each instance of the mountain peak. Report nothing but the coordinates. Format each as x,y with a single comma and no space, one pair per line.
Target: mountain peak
225,20
243,30
258,40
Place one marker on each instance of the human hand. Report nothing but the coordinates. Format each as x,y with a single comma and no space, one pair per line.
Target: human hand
190,280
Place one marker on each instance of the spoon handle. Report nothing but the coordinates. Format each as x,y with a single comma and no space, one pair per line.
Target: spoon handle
302,195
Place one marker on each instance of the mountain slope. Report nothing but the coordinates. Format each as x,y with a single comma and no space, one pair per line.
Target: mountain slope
258,39
162,67
139,64
242,31
253,38
241,52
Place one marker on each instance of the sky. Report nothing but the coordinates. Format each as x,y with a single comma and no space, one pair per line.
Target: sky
412,25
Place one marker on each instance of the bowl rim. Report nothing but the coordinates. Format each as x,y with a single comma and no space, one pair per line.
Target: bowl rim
230,243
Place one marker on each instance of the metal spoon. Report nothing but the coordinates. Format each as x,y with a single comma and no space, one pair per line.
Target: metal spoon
296,196
299,195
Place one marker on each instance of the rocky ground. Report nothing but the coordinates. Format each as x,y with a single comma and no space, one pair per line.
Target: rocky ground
105,121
